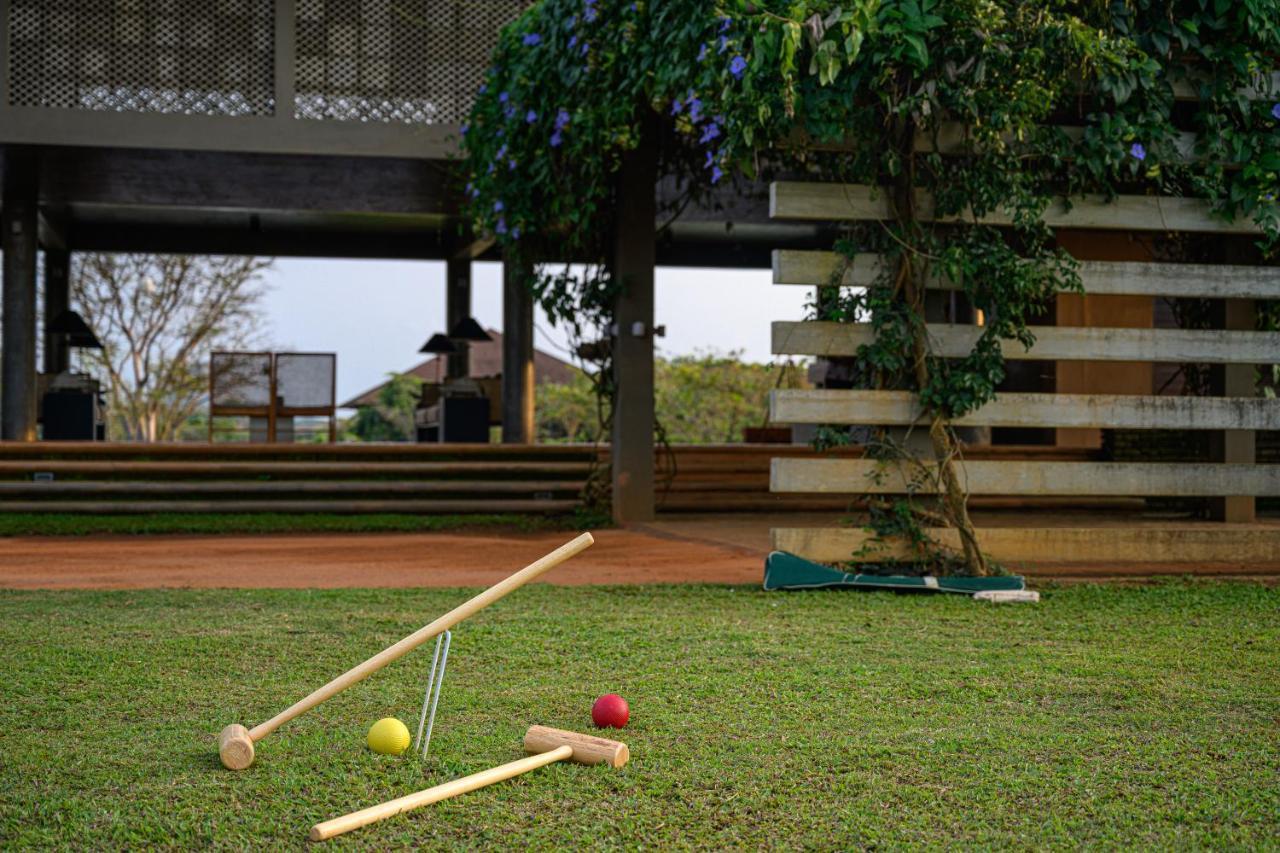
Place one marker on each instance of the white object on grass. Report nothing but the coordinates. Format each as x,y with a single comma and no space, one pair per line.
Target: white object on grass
1007,595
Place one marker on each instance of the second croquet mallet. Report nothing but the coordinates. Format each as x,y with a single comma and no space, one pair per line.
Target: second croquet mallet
547,745
236,743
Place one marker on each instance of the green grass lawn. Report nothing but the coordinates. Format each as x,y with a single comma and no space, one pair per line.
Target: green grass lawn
1103,716
149,524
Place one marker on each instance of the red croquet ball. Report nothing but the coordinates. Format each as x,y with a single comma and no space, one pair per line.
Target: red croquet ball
610,711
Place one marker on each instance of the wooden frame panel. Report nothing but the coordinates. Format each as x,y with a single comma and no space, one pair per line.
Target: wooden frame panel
1101,278
1088,411
1053,343
1157,544
825,202
1097,479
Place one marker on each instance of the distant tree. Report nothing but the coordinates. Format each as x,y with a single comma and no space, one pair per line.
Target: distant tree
705,398
391,419
159,317
709,397
566,411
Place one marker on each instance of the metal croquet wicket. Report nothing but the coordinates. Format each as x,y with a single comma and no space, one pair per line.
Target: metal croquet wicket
432,696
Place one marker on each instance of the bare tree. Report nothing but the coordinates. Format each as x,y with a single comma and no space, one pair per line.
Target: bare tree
158,317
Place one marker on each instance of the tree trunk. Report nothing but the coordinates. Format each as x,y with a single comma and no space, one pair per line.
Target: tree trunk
911,284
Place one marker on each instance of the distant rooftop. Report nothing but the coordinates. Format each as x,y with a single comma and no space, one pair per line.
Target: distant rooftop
486,361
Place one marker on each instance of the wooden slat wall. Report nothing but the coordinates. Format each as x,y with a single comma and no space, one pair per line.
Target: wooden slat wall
1041,479
836,202
1091,411
1053,343
1100,278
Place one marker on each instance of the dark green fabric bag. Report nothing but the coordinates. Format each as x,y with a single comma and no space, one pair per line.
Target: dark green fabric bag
787,571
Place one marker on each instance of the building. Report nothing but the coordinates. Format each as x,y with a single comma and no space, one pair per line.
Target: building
485,362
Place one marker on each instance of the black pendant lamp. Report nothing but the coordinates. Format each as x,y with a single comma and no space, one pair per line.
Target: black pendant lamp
467,329
439,345
78,333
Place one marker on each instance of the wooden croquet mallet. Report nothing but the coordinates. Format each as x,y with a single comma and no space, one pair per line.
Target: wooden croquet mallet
235,743
547,745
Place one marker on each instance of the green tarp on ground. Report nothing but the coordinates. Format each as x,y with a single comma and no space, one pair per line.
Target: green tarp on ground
787,571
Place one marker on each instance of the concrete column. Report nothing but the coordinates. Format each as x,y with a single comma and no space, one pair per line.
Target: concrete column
18,351
1235,445
517,357
57,298
634,255
458,308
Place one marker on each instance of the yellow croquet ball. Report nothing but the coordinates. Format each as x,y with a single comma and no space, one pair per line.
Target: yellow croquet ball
388,736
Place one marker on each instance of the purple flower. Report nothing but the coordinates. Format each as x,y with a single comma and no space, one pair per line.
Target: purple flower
725,24
556,139
501,227
585,48
463,130
676,107
710,159
498,206
1138,152
532,40
484,87
503,97
562,119
590,14
737,67
573,41
711,132
530,117
716,175
702,52
695,107
502,152
1275,112
511,164
515,233
633,8
724,45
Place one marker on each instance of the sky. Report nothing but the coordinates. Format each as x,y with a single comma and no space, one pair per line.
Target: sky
376,314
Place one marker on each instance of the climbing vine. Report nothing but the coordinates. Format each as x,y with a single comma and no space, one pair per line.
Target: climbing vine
953,110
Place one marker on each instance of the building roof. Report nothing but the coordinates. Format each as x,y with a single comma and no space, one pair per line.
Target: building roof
486,361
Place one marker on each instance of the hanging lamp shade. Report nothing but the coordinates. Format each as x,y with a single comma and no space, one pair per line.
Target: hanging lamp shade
467,329
439,344
78,333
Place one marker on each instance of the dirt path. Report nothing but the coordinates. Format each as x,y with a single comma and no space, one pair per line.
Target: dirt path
365,560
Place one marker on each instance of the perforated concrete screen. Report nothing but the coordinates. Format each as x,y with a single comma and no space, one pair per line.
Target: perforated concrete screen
187,57
240,380
305,380
412,61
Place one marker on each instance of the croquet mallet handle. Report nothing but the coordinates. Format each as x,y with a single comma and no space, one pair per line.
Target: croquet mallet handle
548,745
391,808
427,632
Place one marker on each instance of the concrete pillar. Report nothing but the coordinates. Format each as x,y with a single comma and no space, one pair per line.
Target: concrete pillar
634,255
517,357
457,309
18,351
57,298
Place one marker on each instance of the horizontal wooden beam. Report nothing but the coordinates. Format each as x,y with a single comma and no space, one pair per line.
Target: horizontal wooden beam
1241,545
828,202
1138,479
1085,411
1187,90
342,507
951,139
1053,343
1100,278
